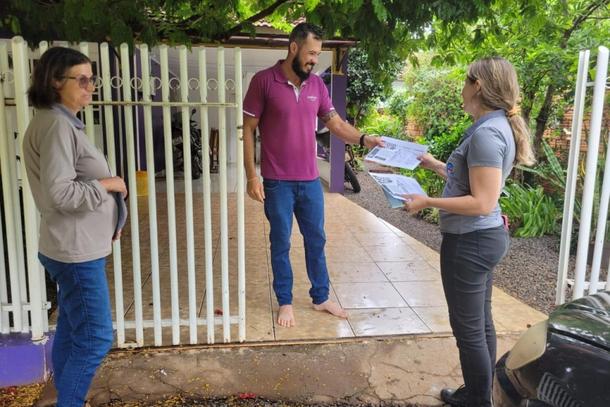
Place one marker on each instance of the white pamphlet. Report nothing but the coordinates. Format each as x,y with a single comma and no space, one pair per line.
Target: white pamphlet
395,186
397,153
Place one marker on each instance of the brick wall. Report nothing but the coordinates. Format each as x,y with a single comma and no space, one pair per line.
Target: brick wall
560,141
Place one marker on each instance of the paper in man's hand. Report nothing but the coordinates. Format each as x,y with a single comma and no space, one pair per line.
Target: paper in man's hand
397,153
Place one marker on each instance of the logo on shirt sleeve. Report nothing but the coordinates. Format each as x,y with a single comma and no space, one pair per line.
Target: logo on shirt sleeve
450,169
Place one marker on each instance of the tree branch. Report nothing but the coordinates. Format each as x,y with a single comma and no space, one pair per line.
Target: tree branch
256,17
581,19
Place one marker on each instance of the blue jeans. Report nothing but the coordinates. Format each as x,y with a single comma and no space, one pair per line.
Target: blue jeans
467,264
84,326
305,200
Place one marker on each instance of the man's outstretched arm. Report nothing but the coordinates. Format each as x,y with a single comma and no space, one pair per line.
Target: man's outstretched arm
347,132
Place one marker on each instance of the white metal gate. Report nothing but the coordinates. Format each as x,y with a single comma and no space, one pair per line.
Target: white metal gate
578,283
121,90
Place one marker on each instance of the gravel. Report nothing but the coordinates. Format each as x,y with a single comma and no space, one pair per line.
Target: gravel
528,271
181,401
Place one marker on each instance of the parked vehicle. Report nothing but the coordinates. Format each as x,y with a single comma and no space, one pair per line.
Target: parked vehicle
177,142
323,140
561,362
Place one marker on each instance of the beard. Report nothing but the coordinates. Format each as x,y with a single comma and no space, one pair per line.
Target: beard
297,68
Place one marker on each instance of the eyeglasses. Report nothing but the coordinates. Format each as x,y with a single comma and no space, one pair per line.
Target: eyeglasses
83,81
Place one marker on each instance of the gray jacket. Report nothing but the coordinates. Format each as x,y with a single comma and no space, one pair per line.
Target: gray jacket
77,215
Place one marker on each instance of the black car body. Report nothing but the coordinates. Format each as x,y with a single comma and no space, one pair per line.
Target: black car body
561,362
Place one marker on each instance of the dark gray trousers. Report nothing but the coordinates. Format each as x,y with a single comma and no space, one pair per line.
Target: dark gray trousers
467,263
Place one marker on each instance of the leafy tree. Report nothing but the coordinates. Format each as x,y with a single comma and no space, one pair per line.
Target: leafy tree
436,106
380,25
541,38
366,85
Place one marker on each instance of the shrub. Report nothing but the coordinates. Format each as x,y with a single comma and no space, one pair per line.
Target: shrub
436,106
530,211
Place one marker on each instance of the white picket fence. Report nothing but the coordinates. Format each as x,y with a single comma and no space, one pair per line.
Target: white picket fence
578,283
26,311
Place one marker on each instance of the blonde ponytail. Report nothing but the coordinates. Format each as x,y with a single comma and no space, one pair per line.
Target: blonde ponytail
500,90
524,154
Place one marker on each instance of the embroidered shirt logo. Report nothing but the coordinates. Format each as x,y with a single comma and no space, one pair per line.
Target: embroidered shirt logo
312,98
450,169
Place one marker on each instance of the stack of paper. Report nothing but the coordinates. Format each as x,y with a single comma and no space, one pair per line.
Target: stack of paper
394,186
397,153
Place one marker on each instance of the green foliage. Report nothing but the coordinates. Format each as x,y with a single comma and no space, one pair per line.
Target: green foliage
382,124
383,27
432,184
399,104
550,170
436,105
366,84
531,212
541,38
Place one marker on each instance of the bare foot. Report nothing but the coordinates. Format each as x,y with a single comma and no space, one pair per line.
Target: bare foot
285,316
331,307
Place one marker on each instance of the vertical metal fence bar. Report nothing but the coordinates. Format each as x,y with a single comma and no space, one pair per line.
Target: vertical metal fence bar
89,128
590,173
4,317
10,197
596,126
4,320
222,171
207,195
152,195
17,283
188,195
241,238
111,149
572,177
42,48
133,196
171,203
20,61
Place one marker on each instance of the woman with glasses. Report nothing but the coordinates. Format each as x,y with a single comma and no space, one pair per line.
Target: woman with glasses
475,238
76,196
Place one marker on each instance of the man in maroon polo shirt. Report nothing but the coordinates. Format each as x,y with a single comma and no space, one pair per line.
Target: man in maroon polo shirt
284,102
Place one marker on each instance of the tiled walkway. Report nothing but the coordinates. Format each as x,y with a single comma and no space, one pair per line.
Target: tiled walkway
388,282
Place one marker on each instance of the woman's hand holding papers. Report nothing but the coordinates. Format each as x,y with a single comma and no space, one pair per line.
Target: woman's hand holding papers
428,162
415,203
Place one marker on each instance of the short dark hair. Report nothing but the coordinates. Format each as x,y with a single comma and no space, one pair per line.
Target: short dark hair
52,66
302,31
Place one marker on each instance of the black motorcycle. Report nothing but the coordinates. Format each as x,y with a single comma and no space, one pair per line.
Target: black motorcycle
323,140
177,143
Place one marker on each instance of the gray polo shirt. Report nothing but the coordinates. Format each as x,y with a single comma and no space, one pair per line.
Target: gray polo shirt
77,215
487,143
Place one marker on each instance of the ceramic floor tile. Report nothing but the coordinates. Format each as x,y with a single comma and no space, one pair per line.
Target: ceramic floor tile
313,324
368,295
436,318
512,315
406,274
379,239
422,293
355,273
375,226
386,321
393,252
414,270
347,255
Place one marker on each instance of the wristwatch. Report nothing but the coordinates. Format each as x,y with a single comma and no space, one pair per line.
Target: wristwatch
362,140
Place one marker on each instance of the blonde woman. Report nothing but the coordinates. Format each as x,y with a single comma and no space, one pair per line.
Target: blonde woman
475,238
